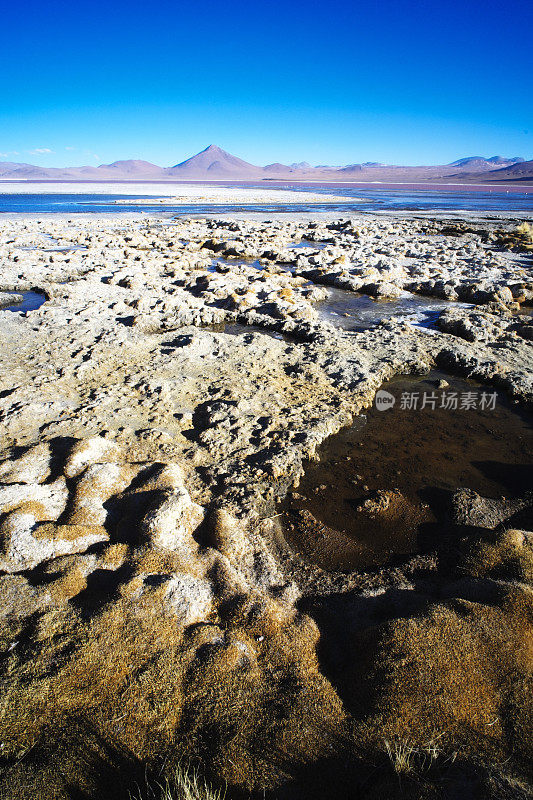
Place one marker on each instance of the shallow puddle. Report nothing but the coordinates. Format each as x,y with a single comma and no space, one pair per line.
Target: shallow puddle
30,301
384,482
231,263
54,246
70,248
351,311
307,243
525,311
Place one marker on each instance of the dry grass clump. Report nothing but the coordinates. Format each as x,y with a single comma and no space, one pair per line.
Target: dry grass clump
127,677
525,229
39,510
69,533
259,706
115,556
185,784
119,670
151,560
286,293
407,758
68,585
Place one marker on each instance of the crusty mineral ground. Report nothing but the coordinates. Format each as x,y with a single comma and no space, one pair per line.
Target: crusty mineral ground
154,413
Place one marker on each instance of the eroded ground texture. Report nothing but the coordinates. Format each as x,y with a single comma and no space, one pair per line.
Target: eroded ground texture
154,411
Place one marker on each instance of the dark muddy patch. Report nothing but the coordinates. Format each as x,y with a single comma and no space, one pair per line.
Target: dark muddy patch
386,480
237,329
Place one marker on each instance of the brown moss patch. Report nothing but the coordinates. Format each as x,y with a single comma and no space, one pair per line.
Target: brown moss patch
286,293
114,556
508,556
68,585
39,510
251,708
451,674
520,240
68,533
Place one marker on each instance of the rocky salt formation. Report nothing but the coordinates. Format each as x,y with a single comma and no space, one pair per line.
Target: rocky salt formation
86,496
153,411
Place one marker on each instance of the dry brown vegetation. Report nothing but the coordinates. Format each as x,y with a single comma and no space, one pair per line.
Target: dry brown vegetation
520,240
456,677
453,673
104,678
159,693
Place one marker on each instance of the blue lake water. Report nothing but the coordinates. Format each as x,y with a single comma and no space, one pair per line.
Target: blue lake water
30,301
373,199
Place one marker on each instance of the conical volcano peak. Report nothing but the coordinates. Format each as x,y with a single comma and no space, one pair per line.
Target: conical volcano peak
215,162
215,151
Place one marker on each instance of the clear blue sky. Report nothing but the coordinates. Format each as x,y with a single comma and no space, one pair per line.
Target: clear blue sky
330,82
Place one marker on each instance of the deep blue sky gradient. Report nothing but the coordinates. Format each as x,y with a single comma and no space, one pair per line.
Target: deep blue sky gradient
328,82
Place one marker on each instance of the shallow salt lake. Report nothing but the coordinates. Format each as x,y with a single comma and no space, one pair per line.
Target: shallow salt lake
365,198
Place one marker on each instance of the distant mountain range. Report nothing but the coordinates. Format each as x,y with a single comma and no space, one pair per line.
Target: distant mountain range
215,164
